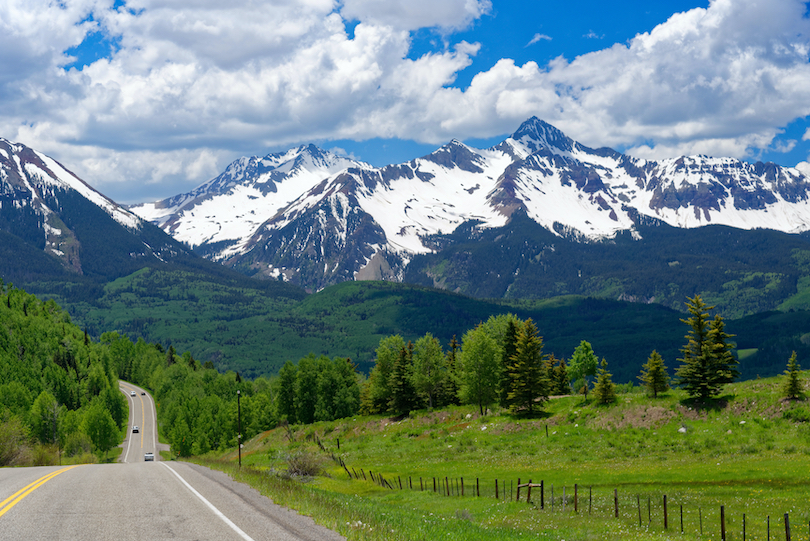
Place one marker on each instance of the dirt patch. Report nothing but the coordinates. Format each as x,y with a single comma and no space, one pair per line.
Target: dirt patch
635,417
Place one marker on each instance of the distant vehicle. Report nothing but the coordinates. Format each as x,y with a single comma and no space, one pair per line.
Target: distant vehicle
149,457
134,429
143,393
132,393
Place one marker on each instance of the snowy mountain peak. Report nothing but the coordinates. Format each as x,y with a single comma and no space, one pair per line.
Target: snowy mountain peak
534,134
28,175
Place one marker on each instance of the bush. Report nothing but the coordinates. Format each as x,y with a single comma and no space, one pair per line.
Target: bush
304,464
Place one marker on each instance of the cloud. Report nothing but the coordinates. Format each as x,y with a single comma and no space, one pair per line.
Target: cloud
593,35
806,136
416,14
538,37
195,83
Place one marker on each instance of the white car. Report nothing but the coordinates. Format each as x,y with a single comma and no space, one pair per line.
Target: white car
149,457
132,393
135,429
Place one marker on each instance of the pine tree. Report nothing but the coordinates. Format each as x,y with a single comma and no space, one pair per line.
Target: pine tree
403,395
654,375
559,383
507,356
527,374
793,387
604,390
707,362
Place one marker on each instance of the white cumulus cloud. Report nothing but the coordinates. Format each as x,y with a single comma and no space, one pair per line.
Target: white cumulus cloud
192,84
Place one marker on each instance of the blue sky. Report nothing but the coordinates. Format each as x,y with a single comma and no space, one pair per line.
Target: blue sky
145,99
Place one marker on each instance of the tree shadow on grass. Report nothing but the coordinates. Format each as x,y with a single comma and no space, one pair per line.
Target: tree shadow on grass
711,404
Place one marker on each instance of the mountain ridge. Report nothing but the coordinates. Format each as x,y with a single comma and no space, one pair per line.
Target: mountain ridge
350,220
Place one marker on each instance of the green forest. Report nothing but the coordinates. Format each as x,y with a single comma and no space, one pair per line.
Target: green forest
60,400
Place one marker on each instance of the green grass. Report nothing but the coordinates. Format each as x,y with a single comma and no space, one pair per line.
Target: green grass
741,452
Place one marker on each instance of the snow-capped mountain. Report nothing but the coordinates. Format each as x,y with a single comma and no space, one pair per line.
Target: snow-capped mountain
316,219
227,210
49,208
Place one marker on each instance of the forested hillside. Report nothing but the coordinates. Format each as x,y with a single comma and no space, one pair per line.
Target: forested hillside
58,390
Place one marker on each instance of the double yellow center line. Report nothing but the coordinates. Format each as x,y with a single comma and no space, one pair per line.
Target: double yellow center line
15,498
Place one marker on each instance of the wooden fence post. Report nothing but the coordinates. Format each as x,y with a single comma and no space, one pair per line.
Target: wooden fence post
649,510
700,518
787,527
434,485
723,522
421,486
638,503
681,518
517,497
400,481
496,489
616,502
590,499
529,492
462,487
576,501
477,489
665,512
743,526
542,496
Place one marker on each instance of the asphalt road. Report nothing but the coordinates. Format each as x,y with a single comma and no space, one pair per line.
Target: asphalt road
143,415
137,500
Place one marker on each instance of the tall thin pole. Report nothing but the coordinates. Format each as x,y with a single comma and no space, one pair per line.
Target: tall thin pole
239,425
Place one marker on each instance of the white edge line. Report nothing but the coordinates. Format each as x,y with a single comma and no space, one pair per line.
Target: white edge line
132,414
216,511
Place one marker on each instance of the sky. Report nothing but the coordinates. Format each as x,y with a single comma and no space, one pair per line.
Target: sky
146,99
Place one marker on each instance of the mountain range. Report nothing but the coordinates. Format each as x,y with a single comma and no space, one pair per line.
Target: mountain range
312,218
535,216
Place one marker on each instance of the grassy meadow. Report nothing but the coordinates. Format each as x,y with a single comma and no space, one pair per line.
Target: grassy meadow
748,451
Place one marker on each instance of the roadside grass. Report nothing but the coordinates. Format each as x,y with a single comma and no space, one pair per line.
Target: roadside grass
748,451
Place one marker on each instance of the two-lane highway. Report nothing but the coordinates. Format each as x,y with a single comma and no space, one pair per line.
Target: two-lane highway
142,413
140,500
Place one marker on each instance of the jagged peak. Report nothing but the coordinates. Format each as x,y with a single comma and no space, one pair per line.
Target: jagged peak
456,154
534,133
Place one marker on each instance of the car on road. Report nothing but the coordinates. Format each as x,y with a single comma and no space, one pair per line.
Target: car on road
143,393
149,457
135,429
132,393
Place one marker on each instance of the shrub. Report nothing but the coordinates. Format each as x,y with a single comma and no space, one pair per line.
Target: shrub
304,464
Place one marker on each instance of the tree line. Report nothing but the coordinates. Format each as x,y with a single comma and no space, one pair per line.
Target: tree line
58,389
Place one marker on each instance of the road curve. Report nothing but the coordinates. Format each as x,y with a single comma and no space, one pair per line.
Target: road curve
143,500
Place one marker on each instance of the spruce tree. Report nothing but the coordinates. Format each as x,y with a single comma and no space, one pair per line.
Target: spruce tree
527,374
403,395
707,362
654,376
793,387
507,356
604,390
559,383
